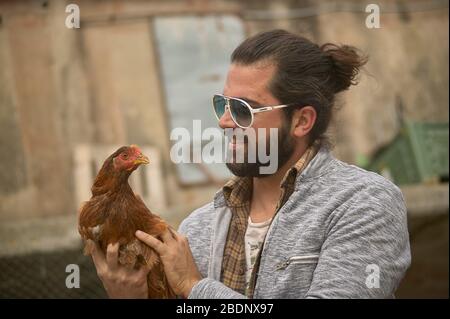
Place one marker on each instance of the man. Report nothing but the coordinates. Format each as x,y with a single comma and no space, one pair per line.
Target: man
316,228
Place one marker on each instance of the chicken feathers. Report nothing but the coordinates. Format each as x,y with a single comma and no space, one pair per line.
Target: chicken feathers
114,213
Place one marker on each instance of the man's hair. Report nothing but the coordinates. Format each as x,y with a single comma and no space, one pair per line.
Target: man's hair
306,74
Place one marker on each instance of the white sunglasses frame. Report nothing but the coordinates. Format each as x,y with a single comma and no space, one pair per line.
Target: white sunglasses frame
252,110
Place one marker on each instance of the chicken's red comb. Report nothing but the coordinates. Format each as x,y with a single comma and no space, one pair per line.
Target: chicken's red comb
135,149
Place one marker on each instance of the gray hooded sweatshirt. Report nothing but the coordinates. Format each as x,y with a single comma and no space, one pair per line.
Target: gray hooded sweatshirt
341,234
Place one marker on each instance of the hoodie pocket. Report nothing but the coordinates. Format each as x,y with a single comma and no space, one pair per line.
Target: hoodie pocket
294,274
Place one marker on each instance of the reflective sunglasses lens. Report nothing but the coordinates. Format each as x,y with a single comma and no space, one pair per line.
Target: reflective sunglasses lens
219,105
241,113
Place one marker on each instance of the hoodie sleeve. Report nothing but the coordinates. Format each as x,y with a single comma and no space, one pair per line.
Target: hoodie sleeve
366,251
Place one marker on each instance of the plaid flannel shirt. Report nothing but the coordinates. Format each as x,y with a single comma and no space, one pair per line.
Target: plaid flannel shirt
238,192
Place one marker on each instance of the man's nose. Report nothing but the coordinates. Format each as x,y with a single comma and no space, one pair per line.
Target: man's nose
226,121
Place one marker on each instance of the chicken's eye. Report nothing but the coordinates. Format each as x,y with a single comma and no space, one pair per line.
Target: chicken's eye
125,156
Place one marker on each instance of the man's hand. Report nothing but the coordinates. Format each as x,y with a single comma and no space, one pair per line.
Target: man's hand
119,281
179,265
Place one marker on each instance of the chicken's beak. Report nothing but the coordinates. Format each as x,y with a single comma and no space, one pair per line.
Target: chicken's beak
141,159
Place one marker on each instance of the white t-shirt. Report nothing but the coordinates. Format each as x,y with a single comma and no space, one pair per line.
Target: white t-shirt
254,240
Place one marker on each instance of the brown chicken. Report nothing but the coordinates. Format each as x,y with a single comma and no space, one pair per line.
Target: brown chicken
114,213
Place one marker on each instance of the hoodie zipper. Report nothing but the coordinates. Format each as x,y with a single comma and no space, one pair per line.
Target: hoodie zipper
307,259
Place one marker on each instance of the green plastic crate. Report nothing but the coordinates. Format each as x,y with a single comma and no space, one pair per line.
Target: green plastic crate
418,154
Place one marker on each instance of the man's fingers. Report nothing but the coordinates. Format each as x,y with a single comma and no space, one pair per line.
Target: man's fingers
112,255
174,233
144,270
97,256
168,236
150,241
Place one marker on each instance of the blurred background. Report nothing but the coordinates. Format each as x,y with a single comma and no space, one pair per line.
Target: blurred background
135,70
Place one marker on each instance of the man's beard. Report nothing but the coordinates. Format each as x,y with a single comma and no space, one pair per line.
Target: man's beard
285,150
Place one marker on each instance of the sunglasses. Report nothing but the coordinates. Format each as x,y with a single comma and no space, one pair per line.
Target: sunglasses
241,112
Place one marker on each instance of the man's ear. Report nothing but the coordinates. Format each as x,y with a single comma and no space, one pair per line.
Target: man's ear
303,121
